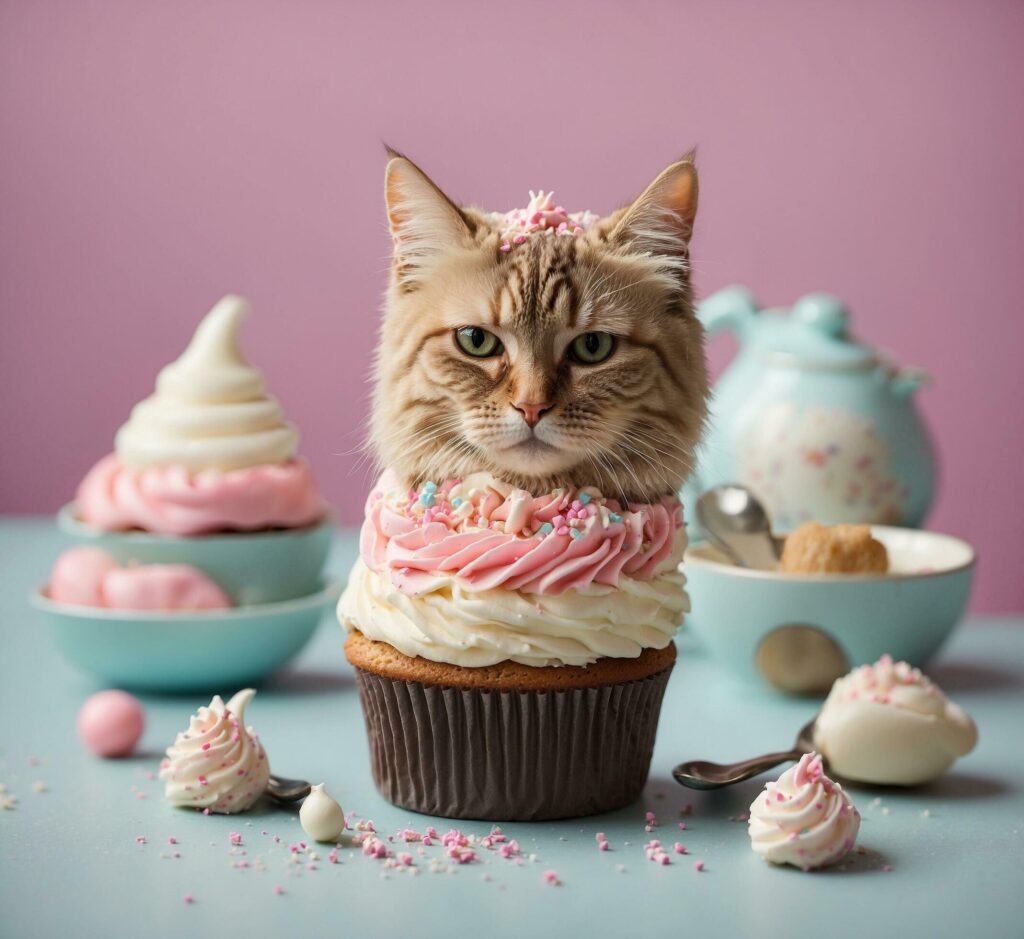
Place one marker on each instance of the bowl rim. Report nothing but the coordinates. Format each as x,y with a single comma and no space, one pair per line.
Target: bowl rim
732,570
330,590
69,522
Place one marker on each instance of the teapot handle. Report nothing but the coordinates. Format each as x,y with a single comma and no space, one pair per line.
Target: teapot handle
732,308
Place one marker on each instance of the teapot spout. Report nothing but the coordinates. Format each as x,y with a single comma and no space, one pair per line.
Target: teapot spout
907,380
731,308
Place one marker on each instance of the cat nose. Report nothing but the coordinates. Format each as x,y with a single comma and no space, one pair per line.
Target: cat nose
532,411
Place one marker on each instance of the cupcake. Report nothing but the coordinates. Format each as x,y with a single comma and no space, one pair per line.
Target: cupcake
512,649
540,390
206,473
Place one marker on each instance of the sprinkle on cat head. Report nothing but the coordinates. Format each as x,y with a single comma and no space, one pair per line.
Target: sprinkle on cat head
542,346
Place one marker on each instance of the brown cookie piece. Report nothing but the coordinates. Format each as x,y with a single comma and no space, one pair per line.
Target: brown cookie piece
833,549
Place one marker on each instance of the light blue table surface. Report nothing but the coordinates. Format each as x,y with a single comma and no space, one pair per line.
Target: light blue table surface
70,864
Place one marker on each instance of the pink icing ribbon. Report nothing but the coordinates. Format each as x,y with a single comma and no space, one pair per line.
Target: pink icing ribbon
547,544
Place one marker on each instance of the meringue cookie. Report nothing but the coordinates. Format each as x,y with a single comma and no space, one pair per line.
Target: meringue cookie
888,724
321,816
218,763
804,819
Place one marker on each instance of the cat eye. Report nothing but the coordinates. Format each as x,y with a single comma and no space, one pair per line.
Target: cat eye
478,342
591,348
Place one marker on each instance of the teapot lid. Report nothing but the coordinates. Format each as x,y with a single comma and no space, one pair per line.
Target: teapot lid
813,335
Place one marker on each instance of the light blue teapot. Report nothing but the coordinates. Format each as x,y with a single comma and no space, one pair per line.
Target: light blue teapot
819,425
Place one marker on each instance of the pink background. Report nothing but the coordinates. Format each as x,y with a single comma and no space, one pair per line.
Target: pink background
156,156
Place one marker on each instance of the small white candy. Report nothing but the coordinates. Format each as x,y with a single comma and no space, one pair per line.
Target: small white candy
321,817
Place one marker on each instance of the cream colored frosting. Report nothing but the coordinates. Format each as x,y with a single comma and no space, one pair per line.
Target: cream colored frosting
218,763
471,628
888,724
321,816
804,818
210,410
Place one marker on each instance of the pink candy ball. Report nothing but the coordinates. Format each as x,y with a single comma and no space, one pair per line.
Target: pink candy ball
110,723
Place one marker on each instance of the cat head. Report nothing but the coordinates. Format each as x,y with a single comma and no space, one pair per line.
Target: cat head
544,348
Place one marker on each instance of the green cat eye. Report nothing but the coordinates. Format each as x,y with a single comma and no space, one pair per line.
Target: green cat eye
478,342
591,348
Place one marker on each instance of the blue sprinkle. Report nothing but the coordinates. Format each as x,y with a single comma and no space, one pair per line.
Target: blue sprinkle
614,516
575,532
584,497
456,502
430,486
427,499
546,529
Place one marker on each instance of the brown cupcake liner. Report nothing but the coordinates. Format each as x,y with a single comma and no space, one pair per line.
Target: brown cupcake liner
510,755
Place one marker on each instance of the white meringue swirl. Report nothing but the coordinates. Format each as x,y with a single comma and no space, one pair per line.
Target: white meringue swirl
218,763
804,819
210,410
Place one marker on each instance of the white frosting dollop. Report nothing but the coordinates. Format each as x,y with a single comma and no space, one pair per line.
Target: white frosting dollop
218,763
888,724
804,819
321,816
476,628
210,410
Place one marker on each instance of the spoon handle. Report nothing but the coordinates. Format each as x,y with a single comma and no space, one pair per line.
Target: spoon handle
701,774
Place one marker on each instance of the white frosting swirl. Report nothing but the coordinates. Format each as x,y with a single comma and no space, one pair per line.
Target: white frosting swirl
804,819
475,628
218,763
210,409
888,724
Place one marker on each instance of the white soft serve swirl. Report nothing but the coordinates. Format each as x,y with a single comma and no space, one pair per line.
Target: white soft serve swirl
804,819
888,724
218,763
478,628
210,410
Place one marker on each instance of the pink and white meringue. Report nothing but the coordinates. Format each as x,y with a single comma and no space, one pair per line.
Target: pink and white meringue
218,763
804,818
889,724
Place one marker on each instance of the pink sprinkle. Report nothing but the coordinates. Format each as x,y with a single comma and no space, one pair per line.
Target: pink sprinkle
206,811
172,840
551,878
509,850
602,846
310,866
454,838
519,239
279,890
698,866
427,840
277,839
462,855
332,857
405,858
662,858
679,848
505,247
203,781
563,530
600,836
188,898
235,837
140,839
682,826
206,746
650,818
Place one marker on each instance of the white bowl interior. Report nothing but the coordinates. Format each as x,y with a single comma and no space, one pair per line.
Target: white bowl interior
912,553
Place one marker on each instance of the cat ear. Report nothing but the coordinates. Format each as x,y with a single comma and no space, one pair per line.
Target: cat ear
660,222
424,221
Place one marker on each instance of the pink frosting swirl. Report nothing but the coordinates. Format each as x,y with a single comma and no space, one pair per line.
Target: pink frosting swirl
172,501
489,535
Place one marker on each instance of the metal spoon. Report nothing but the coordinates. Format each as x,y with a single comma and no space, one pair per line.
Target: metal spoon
700,774
287,790
733,519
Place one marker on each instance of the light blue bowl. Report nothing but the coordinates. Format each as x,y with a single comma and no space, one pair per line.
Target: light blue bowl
750,621
171,652
251,567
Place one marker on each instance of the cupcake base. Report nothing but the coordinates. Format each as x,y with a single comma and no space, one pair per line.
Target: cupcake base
509,742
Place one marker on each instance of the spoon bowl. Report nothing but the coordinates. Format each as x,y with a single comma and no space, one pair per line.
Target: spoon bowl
703,774
733,519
